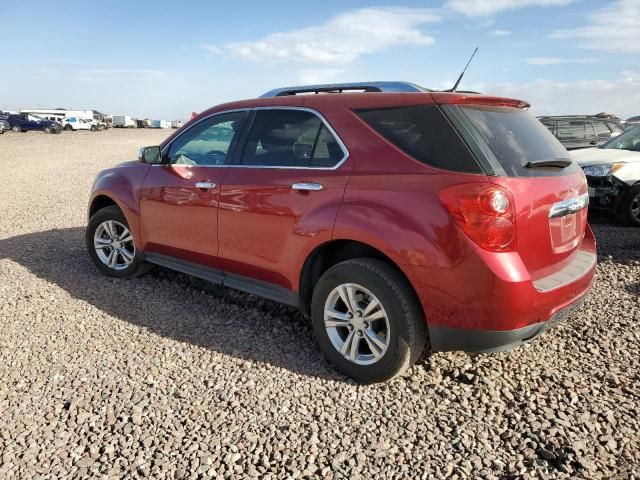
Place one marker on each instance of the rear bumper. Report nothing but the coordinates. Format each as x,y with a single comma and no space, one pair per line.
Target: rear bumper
445,339
489,302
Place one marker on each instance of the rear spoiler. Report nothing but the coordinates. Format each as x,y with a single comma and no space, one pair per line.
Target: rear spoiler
444,98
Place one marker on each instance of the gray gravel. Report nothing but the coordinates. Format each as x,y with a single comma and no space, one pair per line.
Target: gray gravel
168,377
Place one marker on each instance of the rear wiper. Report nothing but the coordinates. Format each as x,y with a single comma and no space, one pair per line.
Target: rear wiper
556,162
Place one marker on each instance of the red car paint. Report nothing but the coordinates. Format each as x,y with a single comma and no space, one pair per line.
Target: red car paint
253,224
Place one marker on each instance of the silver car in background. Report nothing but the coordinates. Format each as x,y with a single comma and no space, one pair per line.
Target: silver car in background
613,175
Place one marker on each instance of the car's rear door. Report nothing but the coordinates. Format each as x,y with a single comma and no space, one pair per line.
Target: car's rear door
282,196
179,199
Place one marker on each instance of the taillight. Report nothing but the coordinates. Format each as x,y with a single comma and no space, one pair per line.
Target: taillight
485,212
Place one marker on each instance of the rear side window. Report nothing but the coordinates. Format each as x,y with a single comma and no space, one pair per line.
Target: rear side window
290,138
602,131
424,133
515,138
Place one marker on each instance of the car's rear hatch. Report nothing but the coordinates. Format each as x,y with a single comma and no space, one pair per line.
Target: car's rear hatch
549,190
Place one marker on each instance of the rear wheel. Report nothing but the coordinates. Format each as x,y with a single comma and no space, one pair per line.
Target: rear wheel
111,245
629,210
16,128
368,320
67,127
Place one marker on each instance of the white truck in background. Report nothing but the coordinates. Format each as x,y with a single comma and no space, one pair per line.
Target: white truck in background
123,121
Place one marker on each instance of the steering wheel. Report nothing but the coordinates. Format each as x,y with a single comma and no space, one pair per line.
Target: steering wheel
217,152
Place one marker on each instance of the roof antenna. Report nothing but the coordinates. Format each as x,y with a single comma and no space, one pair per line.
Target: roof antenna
455,87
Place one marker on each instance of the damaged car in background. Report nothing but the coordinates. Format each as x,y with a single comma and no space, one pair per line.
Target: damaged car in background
613,175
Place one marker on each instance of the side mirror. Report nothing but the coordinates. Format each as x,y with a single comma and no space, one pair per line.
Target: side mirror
150,155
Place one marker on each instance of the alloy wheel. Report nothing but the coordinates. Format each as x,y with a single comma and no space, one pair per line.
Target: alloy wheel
357,324
114,245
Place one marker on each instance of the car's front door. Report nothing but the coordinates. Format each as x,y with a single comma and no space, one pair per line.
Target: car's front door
179,199
282,196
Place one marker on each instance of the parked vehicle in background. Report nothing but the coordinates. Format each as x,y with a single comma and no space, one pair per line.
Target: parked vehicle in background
4,123
75,123
391,218
176,123
575,131
123,121
613,175
631,122
24,122
161,124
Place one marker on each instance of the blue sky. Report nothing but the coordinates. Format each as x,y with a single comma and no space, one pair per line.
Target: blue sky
166,59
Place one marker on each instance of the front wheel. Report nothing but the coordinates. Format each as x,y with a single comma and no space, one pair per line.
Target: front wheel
47,130
629,210
111,245
368,320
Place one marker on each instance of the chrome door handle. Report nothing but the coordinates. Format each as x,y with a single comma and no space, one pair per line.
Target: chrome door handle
205,185
306,187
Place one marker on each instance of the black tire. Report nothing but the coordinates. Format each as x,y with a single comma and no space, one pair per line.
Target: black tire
136,268
67,127
16,128
629,209
47,130
407,325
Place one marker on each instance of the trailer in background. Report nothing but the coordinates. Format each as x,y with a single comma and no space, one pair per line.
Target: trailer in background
161,124
123,121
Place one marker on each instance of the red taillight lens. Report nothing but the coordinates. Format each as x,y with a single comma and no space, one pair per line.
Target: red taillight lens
485,212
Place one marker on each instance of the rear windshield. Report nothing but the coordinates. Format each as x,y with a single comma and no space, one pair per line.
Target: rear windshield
514,138
424,133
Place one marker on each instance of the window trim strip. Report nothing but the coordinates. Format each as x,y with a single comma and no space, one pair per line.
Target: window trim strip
324,121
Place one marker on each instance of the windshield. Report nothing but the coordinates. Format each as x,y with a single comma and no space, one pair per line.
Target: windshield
629,140
515,138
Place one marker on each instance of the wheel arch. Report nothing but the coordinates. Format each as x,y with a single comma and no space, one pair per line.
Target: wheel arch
101,201
334,251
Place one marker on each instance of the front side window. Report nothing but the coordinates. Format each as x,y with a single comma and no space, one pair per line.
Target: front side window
290,138
207,143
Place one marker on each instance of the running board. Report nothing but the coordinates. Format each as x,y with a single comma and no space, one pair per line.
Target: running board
219,277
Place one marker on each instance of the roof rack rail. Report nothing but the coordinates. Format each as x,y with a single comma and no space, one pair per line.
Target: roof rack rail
396,87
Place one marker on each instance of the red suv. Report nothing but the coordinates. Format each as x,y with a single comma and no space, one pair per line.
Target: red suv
400,219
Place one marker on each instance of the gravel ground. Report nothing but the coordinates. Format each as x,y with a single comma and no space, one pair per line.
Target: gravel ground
168,377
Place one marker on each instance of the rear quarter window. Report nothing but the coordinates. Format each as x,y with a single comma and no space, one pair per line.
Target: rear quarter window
425,134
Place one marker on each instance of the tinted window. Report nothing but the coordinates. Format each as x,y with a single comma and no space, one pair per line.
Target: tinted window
571,131
425,134
602,131
208,142
515,138
290,138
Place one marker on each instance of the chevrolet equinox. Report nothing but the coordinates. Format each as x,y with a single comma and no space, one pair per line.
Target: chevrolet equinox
401,220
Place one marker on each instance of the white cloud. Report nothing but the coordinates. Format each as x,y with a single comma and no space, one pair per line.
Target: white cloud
500,33
489,7
544,61
548,97
341,40
615,28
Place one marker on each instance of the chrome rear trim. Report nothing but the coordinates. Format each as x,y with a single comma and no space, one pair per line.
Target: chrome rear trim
567,207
